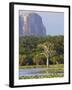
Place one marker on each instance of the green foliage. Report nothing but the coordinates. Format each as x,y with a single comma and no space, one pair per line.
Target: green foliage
29,50
22,59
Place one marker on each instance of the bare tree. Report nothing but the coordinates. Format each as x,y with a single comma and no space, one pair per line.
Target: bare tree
47,50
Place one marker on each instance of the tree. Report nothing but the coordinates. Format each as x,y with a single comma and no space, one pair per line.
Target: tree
47,50
36,59
22,60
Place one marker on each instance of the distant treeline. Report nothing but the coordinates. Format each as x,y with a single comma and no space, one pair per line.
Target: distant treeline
31,54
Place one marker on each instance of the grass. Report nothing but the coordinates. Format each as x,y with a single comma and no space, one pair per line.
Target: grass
39,77
42,66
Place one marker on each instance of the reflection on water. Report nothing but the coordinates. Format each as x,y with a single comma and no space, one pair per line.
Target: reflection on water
35,71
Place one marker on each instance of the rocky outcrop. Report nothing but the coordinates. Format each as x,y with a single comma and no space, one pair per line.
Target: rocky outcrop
31,24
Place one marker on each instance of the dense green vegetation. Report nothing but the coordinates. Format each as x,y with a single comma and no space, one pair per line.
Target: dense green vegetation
32,50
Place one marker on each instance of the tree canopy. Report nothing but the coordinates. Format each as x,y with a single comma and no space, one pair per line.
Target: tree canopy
31,47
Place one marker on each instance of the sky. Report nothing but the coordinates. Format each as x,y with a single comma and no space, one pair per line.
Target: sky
53,21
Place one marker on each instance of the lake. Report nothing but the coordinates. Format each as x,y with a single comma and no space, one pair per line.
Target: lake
37,71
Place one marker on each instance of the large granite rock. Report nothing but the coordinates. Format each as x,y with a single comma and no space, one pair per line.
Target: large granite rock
33,25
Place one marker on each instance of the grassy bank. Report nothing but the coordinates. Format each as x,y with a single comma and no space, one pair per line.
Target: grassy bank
45,76
42,66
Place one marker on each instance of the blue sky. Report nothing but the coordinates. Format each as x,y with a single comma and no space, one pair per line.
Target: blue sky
53,22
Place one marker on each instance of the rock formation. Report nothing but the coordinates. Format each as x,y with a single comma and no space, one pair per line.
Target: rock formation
31,24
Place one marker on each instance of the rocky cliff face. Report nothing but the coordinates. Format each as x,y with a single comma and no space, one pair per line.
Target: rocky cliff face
32,26
21,25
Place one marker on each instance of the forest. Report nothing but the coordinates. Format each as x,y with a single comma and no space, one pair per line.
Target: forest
41,50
